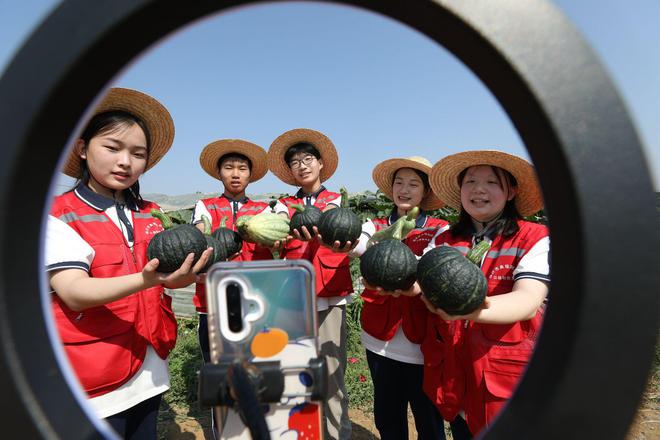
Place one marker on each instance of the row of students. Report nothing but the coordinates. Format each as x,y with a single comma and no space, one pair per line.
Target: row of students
110,308
400,341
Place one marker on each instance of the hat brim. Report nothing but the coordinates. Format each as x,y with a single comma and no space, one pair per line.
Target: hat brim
383,175
444,178
321,142
154,115
210,155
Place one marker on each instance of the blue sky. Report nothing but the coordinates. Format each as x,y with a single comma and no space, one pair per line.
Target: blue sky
377,88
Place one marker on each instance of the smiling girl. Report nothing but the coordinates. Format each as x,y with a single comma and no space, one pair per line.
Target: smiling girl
486,352
393,326
113,318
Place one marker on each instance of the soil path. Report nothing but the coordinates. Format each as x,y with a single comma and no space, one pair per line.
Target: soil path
176,425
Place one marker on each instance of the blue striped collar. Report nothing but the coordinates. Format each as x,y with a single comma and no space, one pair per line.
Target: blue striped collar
419,222
301,194
97,201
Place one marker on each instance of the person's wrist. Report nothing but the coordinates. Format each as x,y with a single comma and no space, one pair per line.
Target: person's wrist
149,281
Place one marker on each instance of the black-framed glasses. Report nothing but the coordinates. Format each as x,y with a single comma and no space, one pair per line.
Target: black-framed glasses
307,160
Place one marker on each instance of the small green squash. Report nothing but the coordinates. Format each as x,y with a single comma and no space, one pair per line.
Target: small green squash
219,251
265,228
399,229
307,216
389,264
340,224
230,240
452,282
173,245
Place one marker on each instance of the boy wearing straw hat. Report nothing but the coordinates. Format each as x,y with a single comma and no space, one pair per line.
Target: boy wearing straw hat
235,163
306,158
493,191
393,326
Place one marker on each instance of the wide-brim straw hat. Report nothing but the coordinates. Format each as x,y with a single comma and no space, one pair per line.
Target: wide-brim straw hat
210,155
444,178
154,115
321,142
384,172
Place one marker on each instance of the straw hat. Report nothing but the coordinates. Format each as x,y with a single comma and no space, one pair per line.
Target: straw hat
154,115
384,172
210,155
444,178
321,142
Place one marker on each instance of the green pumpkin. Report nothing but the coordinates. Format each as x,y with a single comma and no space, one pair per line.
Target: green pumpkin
173,245
389,264
265,228
219,251
307,216
340,224
452,282
230,240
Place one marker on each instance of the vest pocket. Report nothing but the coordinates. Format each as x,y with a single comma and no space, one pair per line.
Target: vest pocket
95,323
107,262
375,319
335,275
102,343
295,249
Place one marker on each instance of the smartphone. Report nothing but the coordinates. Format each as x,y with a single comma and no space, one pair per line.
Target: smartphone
264,313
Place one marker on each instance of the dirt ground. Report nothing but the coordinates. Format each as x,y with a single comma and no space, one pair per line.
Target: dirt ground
176,425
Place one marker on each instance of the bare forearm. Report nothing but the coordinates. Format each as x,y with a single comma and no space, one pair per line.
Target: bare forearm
520,304
82,292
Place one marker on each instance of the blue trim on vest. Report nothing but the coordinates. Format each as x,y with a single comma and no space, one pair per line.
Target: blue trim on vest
97,201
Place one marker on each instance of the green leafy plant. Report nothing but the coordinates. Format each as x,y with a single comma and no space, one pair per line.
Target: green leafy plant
185,361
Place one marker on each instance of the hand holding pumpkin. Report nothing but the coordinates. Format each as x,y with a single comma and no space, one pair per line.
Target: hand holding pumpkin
278,245
302,234
447,317
414,290
185,275
336,246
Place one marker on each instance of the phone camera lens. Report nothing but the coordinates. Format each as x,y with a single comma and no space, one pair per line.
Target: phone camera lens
234,312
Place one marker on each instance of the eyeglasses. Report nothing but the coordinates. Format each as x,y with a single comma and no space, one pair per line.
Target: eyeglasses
307,160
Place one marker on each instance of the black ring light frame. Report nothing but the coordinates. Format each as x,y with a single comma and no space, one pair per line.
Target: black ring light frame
592,359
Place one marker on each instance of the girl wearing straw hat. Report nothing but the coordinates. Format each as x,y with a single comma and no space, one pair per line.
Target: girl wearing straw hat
491,346
393,325
306,158
111,313
235,163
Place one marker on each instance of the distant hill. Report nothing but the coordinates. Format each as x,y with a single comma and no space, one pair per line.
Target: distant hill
187,201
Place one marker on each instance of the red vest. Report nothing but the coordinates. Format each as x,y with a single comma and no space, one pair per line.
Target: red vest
383,314
486,360
333,277
220,207
106,344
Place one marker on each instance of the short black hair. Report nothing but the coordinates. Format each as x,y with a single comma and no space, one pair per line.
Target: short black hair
233,155
301,147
